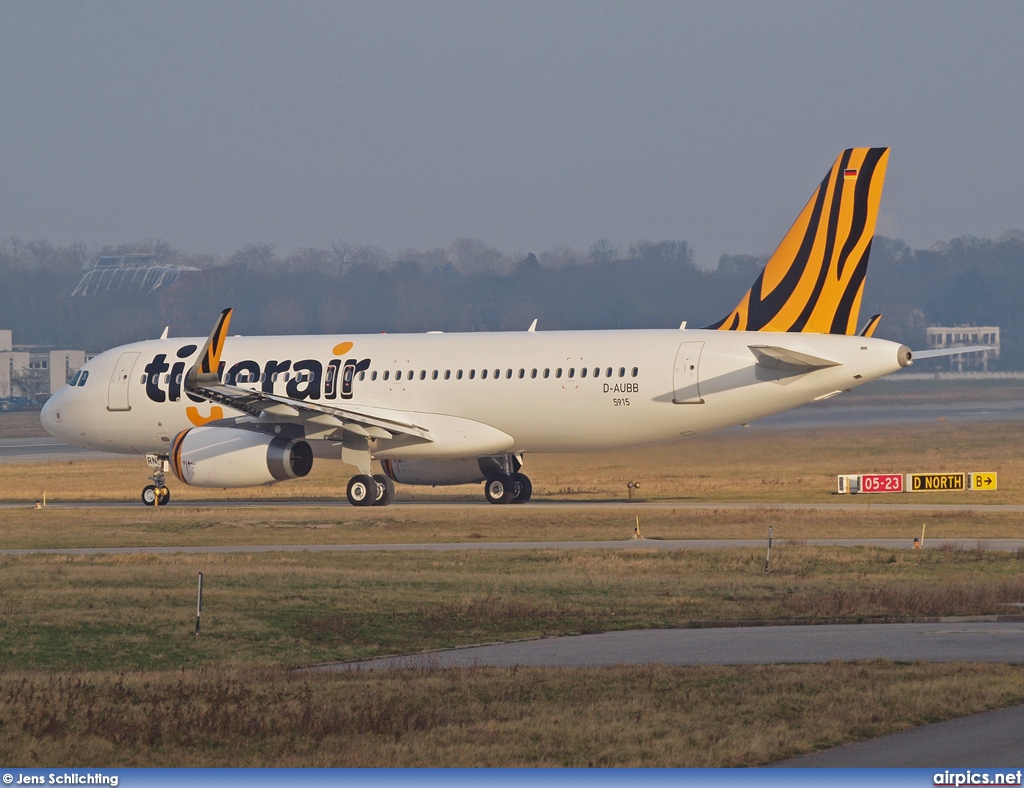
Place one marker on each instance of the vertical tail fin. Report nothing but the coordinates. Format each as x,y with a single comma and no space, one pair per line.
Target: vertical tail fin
814,280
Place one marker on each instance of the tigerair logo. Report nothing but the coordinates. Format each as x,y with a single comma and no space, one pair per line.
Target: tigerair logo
303,379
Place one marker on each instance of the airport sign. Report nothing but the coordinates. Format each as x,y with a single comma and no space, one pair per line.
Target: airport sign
935,482
982,481
881,482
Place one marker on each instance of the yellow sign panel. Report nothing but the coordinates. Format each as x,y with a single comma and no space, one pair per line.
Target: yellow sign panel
932,482
982,481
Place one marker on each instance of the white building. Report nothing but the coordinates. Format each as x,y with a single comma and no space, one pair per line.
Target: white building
962,336
34,373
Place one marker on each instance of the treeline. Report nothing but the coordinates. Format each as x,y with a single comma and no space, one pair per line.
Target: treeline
471,286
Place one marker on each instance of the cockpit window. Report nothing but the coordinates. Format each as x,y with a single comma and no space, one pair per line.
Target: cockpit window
85,377
74,378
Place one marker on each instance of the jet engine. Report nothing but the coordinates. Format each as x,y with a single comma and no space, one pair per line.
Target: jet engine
435,472
231,457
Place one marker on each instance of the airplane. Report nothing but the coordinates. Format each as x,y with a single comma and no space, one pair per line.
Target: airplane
465,408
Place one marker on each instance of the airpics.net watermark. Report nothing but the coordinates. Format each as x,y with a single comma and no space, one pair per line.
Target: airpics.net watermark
62,778
969,777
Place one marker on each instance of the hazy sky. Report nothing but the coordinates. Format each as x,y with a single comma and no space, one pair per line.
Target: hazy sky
528,125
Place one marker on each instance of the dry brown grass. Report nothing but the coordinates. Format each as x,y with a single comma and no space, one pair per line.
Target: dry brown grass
57,527
770,466
622,716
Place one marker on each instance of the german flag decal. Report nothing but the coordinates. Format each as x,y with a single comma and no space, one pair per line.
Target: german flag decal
814,281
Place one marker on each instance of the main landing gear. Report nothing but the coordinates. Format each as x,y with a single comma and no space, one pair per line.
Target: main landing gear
157,494
508,488
366,490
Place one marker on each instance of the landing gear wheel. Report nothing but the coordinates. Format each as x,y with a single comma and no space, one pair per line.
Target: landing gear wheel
163,496
362,490
385,490
149,495
500,488
525,488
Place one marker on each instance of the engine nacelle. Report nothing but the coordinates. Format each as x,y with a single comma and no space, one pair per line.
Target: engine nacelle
231,457
435,472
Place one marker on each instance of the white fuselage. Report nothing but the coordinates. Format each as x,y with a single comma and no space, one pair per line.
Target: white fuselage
552,391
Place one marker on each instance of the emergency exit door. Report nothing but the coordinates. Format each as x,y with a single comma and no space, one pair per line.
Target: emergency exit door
120,380
686,378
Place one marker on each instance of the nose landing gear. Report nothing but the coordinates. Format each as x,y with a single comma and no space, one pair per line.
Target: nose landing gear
157,494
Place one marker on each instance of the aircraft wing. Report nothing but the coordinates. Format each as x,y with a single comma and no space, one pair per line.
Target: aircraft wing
367,422
203,381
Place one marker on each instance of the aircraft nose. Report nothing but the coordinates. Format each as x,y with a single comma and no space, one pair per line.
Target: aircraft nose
53,413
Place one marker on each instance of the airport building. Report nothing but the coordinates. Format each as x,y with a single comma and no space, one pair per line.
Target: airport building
123,274
963,336
32,373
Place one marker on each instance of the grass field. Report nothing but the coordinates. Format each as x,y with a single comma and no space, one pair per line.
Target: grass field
650,716
136,612
99,664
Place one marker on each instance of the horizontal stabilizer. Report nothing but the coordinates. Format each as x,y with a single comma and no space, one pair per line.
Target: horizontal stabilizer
772,357
939,352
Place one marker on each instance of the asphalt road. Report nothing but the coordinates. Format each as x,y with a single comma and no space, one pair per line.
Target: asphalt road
950,640
992,740
443,547
48,450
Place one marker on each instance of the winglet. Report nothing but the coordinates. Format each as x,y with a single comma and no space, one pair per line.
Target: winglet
814,281
870,326
206,367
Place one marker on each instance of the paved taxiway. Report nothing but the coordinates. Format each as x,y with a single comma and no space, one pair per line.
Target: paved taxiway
49,450
948,640
445,547
992,740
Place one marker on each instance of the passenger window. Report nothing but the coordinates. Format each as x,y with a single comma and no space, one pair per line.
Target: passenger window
143,380
558,372
373,375
635,371
522,374
458,375
583,372
177,378
508,373
533,373
483,374
411,374
622,372
398,375
497,374
547,372
447,374
472,374
387,373
608,372
433,375
362,376
263,377
597,372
